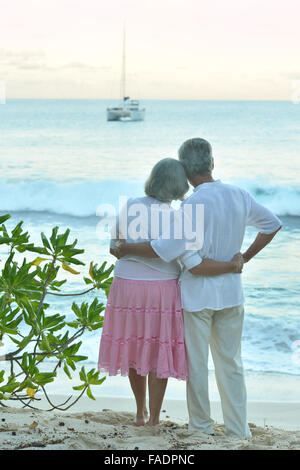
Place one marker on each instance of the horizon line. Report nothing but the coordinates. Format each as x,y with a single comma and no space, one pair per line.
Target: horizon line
155,99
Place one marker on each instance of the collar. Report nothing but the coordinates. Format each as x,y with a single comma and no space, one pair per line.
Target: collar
209,184
156,201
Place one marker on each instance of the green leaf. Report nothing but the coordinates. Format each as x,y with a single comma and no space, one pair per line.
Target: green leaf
45,241
38,249
89,394
67,372
82,375
79,387
43,378
53,237
4,218
9,388
11,331
44,344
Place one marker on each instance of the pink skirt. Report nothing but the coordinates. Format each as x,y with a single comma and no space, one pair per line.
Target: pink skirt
143,329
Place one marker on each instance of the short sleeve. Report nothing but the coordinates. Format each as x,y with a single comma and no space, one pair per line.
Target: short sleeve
190,259
168,250
178,239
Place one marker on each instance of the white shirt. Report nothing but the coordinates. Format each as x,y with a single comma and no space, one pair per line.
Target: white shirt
227,211
140,218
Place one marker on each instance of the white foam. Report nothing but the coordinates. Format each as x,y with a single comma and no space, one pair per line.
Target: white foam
82,198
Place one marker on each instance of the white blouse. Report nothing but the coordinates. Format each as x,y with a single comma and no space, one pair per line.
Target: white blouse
134,270
136,267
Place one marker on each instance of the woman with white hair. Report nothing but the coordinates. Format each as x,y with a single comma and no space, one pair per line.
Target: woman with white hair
143,324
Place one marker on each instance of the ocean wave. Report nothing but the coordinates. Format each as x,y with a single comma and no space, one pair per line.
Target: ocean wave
283,200
81,198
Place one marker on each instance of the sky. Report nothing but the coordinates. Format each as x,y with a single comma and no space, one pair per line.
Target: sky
176,49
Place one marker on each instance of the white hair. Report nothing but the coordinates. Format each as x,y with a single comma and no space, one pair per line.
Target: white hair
167,181
196,157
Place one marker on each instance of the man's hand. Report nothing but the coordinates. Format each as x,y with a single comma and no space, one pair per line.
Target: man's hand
122,248
245,258
238,262
262,240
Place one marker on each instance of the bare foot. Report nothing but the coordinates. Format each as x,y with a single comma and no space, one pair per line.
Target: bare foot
140,421
153,422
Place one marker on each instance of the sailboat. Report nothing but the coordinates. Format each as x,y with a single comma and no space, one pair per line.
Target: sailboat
128,110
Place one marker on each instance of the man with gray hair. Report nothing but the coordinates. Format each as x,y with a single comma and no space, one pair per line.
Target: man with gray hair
213,305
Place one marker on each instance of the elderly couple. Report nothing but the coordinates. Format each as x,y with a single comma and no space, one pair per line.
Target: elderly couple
171,300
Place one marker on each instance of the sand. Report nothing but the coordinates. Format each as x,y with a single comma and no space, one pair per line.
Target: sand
109,429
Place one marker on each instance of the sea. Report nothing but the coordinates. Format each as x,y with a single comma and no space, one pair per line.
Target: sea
60,160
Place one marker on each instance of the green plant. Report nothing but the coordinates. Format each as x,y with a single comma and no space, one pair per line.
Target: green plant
26,319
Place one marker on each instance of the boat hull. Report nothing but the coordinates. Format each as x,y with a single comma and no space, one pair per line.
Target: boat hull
115,114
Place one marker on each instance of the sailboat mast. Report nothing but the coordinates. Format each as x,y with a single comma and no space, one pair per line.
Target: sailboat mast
124,65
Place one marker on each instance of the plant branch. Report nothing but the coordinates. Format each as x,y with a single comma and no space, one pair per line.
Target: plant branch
73,294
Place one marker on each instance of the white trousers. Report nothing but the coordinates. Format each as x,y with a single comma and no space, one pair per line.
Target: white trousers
222,330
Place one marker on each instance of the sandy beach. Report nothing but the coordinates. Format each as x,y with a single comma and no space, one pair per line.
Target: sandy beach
108,424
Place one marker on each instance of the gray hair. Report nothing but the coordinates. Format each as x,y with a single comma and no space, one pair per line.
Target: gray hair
196,157
167,181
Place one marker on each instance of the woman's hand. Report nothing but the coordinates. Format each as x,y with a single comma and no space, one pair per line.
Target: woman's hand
118,249
210,267
114,252
238,263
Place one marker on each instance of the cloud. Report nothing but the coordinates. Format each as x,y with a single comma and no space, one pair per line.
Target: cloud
82,66
78,65
35,60
291,76
22,59
25,55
